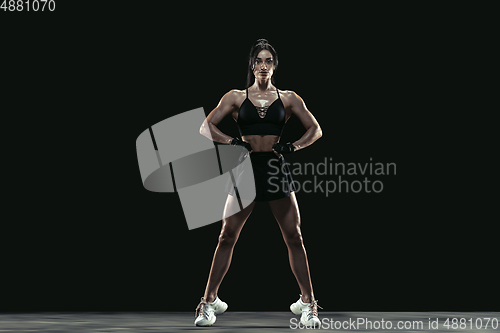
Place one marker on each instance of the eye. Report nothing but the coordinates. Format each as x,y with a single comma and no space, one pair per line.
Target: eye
269,61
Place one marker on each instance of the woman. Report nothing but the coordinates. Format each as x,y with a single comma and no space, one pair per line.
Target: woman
261,112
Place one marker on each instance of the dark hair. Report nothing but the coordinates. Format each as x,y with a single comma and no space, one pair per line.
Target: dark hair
260,44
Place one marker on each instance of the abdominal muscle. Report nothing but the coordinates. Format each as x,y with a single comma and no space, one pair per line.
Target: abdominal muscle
261,142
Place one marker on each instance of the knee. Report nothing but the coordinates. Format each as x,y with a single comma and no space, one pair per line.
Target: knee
227,239
293,239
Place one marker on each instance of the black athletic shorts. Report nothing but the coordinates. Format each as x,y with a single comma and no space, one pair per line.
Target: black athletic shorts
272,176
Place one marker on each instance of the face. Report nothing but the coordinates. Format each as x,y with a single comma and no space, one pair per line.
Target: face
263,66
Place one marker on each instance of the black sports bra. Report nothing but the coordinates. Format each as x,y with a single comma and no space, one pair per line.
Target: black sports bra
268,120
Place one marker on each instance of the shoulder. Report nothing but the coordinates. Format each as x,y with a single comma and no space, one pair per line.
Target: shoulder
290,96
235,94
233,97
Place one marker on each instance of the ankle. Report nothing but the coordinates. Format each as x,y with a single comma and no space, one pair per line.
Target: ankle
306,299
210,298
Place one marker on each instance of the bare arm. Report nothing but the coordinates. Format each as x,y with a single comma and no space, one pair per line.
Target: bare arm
209,129
313,130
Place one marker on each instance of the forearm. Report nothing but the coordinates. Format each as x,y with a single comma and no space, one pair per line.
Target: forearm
312,134
213,133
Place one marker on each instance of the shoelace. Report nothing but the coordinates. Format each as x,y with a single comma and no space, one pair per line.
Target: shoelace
201,307
314,309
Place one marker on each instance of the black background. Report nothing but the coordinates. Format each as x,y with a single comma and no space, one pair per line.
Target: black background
89,237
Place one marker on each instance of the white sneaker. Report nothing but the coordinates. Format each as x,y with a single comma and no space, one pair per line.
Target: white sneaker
308,312
206,315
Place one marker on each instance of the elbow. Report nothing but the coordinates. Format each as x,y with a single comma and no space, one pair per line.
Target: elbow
319,132
204,128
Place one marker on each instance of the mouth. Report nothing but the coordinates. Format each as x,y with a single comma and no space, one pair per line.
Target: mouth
264,72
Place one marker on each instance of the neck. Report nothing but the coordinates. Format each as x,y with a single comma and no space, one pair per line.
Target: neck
262,85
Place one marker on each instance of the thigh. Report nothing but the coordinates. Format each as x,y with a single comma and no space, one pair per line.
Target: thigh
232,222
286,212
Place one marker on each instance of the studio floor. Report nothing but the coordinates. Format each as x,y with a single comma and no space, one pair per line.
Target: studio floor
243,322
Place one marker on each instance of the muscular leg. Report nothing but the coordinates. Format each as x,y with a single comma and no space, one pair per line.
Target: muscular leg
231,228
286,212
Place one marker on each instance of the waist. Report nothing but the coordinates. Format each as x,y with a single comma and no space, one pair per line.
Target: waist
261,142
263,153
